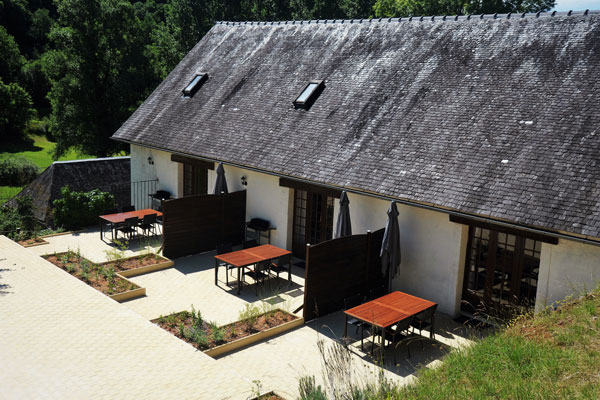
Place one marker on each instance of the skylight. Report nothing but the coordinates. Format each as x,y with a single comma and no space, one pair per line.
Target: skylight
194,85
309,94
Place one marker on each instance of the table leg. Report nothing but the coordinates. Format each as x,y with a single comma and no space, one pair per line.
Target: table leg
217,271
101,229
239,280
382,344
346,326
290,272
431,331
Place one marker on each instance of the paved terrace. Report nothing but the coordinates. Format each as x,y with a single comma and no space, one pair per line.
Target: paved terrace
277,363
62,339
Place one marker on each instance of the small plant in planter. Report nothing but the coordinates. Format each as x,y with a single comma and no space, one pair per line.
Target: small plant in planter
248,316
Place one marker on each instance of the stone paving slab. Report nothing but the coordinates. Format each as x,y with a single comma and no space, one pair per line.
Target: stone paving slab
63,339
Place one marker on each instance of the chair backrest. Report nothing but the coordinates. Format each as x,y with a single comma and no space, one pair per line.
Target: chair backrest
150,218
425,315
130,222
110,211
262,266
353,301
250,243
403,325
128,208
284,260
224,248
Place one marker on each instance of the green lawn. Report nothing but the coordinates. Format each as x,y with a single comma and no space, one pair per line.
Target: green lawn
40,152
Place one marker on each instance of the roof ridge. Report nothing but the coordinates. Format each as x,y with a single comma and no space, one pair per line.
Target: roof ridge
416,18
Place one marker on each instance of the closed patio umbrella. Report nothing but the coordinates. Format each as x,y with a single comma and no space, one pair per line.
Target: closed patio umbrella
390,246
343,226
220,183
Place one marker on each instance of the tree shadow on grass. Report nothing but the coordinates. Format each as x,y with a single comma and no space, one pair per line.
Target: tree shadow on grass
18,146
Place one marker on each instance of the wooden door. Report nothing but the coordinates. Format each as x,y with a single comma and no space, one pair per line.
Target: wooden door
195,180
313,220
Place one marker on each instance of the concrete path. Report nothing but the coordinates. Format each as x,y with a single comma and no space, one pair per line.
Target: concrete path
62,339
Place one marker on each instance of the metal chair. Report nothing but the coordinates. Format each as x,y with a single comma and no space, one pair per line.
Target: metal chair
284,263
353,301
397,334
128,208
424,320
258,273
148,223
222,249
128,227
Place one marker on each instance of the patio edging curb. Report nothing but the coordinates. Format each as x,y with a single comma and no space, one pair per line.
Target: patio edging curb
256,337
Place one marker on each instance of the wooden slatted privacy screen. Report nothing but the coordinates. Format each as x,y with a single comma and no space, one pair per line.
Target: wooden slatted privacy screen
340,268
195,224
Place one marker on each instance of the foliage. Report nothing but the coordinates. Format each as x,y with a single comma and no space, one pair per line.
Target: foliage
15,111
18,223
80,209
99,73
17,171
405,8
249,315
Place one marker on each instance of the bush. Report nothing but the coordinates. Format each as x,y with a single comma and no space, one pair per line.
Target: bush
18,223
80,209
17,171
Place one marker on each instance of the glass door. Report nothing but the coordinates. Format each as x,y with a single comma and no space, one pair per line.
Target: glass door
313,220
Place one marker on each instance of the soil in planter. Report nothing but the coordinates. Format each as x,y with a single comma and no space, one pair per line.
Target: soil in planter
135,262
31,242
100,277
205,335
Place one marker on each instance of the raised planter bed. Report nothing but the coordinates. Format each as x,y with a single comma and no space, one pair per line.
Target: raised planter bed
217,341
111,277
138,265
38,241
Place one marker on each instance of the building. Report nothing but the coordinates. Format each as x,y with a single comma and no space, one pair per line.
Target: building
485,129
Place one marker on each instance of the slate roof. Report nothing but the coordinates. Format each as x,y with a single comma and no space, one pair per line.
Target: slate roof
493,117
107,174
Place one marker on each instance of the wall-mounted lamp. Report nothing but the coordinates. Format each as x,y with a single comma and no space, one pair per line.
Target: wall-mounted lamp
244,180
150,160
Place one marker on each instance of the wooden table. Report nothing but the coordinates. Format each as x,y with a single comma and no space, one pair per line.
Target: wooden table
117,218
243,258
388,310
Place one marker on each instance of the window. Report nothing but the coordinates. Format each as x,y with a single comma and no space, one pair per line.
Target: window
309,94
194,85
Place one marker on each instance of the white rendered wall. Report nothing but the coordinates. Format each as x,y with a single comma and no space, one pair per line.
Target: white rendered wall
264,199
433,249
166,171
566,268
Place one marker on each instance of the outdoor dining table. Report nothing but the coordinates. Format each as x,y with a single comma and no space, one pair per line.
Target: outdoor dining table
243,258
386,311
117,218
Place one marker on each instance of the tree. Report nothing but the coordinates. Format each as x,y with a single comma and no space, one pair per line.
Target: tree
11,60
404,8
98,71
15,111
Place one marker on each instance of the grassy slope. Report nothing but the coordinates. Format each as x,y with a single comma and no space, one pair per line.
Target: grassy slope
553,355
41,154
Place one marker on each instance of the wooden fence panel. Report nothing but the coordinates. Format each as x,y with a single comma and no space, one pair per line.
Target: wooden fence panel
195,224
339,268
